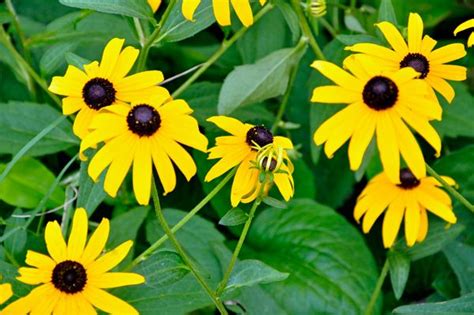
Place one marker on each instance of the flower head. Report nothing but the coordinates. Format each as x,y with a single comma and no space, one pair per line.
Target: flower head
104,84
148,132
222,10
464,26
380,103
254,150
73,277
154,4
411,199
418,53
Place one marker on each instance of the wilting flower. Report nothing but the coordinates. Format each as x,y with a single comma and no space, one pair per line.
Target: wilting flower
418,54
148,132
411,199
381,103
73,277
464,26
252,149
104,84
154,4
222,10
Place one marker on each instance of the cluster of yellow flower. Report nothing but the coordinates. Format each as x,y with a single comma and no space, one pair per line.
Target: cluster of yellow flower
386,90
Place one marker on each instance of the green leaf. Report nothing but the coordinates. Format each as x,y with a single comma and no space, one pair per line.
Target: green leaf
291,18
21,121
235,216
387,12
349,40
331,269
177,28
461,258
125,226
399,270
250,272
15,244
54,57
257,82
90,194
76,60
460,306
133,8
353,24
275,203
8,274
27,183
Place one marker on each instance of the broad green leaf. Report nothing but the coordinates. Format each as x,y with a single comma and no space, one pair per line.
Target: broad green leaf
387,12
460,306
177,28
461,258
235,216
21,121
15,244
125,226
331,269
90,194
250,272
399,270
27,183
133,8
254,83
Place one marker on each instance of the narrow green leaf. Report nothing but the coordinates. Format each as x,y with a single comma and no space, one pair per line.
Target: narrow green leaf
460,306
235,216
76,60
387,12
399,270
291,18
54,57
133,8
353,24
90,194
355,39
275,203
15,244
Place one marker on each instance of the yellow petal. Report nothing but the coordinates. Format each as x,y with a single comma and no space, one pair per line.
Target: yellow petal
227,162
107,154
423,225
107,302
427,45
154,4
175,107
360,139
189,7
72,104
49,298
39,260
110,259
392,221
447,53
334,94
142,172
139,81
55,242
245,181
441,86
110,56
185,130
415,32
282,142
83,121
96,243
387,143
449,72
179,156
464,26
470,40
229,124
221,11
163,166
377,207
71,84
338,75
78,236
284,184
34,276
436,207
126,60
80,305
5,292
243,10
92,69
375,50
394,38
116,279
412,221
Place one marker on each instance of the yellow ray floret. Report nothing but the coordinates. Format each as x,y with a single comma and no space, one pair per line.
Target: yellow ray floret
464,26
222,10
250,148
154,4
72,279
411,200
149,132
103,84
419,53
379,103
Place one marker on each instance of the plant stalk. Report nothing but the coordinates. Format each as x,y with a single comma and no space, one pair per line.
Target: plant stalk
378,288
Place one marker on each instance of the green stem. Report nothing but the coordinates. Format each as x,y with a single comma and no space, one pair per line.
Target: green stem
153,247
238,247
150,41
226,44
306,29
377,289
353,4
450,189
328,27
4,38
179,249
140,33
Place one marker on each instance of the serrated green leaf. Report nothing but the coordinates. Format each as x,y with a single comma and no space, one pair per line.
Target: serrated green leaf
235,216
399,270
460,306
133,8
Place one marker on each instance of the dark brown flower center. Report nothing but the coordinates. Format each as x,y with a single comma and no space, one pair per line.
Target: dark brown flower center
143,120
380,93
98,93
407,179
269,167
417,62
259,135
69,277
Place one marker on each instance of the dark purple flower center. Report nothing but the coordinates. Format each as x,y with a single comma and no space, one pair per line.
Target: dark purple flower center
98,93
417,62
69,277
407,179
380,93
143,120
259,135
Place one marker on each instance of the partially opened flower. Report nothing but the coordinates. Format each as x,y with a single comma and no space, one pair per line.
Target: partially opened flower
104,84
73,277
380,103
252,149
154,4
418,53
411,199
464,26
222,10
148,132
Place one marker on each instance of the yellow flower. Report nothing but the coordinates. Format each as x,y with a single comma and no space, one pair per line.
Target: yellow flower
464,26
222,10
73,277
381,103
418,54
104,84
251,148
410,199
5,292
154,4
147,132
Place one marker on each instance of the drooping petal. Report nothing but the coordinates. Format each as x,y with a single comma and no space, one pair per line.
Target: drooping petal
179,156
441,86
412,221
436,207
189,7
163,166
392,221
423,225
387,143
363,134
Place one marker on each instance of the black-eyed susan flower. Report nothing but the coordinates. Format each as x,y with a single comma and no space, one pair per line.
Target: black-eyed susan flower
411,199
73,277
252,149
418,53
222,10
154,4
146,133
104,84
464,26
381,103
